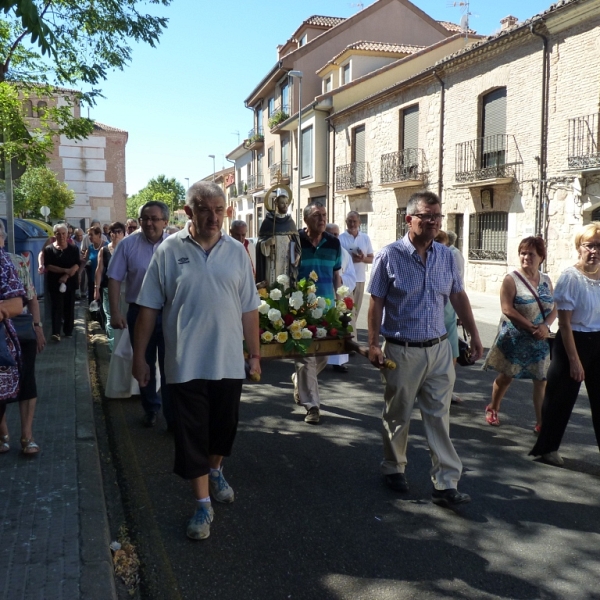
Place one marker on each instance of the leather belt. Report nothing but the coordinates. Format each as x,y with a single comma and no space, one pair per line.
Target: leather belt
425,344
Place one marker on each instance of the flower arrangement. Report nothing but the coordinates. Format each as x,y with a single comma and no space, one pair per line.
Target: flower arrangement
294,317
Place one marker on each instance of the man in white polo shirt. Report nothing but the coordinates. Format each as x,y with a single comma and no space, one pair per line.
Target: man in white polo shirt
202,280
359,246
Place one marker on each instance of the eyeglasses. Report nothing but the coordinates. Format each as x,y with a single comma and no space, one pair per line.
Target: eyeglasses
591,247
117,231
151,219
428,217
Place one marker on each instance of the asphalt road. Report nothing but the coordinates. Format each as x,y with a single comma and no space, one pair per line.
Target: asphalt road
312,519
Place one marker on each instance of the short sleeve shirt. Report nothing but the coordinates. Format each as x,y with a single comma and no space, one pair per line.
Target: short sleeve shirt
203,297
415,293
352,244
323,260
575,292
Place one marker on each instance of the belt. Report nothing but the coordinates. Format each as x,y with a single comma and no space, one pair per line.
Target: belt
425,344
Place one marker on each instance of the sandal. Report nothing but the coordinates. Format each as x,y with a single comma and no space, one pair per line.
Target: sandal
537,429
4,446
491,416
28,446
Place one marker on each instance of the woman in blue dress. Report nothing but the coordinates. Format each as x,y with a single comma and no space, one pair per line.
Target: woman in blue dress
521,350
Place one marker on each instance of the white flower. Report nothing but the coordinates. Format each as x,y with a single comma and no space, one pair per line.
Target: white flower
267,337
282,337
295,326
343,291
296,335
278,324
313,276
306,334
341,306
321,332
321,302
311,289
283,280
296,300
274,314
275,294
317,313
264,308
311,298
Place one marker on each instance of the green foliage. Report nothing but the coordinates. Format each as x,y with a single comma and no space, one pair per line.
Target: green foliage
161,189
279,117
39,187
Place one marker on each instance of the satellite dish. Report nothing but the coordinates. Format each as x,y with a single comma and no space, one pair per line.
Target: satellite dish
464,22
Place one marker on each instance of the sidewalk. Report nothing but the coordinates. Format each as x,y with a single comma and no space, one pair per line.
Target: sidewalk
53,526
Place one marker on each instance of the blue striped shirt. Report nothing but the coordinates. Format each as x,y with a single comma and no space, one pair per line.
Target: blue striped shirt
415,293
323,260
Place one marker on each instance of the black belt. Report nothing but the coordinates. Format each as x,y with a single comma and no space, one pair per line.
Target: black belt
425,344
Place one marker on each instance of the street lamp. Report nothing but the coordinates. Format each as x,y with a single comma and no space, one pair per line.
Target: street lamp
298,75
213,157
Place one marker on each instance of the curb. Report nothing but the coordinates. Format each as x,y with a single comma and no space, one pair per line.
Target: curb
97,575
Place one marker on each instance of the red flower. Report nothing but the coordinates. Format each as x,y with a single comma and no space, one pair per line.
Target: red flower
312,329
324,324
288,319
261,331
349,302
333,332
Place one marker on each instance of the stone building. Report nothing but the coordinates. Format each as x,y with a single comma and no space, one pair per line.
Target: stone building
505,130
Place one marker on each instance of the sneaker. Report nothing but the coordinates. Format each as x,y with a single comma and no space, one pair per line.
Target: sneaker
553,458
55,338
491,416
312,416
219,488
199,525
449,497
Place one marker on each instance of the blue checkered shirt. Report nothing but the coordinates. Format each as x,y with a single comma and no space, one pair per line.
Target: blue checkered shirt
415,293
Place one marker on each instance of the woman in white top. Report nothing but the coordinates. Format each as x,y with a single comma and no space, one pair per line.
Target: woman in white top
576,352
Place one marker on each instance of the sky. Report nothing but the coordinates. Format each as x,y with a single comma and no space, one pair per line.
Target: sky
184,99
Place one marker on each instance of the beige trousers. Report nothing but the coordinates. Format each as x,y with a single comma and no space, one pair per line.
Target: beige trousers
306,385
428,375
357,296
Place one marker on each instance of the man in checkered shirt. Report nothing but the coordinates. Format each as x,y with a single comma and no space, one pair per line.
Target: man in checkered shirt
411,281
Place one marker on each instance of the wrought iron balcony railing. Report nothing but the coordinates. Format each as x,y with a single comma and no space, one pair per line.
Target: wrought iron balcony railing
255,138
353,176
583,142
404,165
255,182
491,157
283,168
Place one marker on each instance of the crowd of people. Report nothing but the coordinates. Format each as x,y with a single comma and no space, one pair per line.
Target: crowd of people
176,293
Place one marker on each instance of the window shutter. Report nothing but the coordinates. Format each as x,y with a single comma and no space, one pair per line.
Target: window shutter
410,127
494,127
359,144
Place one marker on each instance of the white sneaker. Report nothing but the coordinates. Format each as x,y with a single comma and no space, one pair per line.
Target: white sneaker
553,458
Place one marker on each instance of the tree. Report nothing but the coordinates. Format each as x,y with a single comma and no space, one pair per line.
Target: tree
161,189
39,187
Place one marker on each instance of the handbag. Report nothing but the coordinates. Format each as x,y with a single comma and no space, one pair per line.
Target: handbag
464,350
551,336
23,325
6,358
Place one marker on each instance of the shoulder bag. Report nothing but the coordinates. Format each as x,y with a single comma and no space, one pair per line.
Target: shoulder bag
23,325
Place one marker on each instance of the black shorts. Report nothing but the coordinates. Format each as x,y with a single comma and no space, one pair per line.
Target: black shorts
205,414
27,385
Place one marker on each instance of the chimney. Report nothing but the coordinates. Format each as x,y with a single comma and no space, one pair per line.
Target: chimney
508,22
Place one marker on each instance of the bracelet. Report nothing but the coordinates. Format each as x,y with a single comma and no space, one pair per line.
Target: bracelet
254,356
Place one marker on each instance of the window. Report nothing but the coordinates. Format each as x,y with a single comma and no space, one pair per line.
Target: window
303,40
487,236
409,135
259,217
285,97
596,215
41,108
346,74
401,224
358,155
28,108
285,156
271,107
259,118
327,85
307,152
270,156
493,131
364,224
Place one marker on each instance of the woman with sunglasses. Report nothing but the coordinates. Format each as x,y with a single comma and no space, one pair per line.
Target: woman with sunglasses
576,352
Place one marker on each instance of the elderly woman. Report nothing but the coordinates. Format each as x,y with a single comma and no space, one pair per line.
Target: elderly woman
90,258
62,264
576,352
116,231
521,350
29,348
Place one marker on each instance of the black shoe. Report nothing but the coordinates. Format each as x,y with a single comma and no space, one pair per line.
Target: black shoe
340,368
149,420
397,482
449,497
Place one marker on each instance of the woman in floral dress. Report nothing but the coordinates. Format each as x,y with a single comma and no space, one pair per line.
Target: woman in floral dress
521,350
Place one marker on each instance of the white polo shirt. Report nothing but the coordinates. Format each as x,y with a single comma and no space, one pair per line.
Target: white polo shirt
352,244
203,298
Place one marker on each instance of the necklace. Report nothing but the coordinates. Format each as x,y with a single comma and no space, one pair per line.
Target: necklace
589,272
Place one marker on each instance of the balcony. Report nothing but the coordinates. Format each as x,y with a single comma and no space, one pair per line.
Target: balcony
491,160
353,178
255,182
280,115
255,140
583,143
281,170
402,169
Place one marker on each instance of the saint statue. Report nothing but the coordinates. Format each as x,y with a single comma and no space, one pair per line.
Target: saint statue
278,248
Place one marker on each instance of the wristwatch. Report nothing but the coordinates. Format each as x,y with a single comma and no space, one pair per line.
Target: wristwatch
37,324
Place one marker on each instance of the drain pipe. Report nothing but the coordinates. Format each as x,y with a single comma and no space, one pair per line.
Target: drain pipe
441,148
542,207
